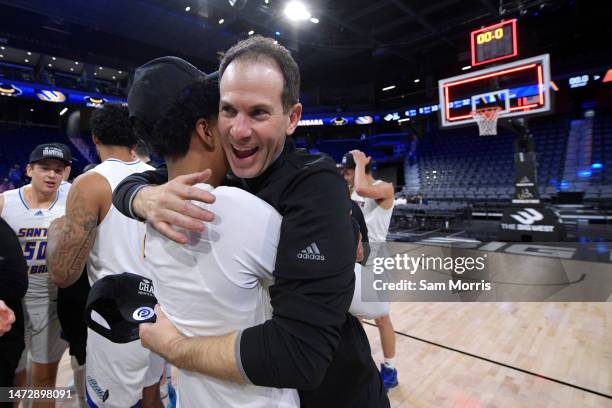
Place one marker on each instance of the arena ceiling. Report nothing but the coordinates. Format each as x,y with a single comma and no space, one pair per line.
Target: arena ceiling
354,42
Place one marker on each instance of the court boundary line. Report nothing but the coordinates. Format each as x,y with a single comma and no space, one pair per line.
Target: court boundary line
578,387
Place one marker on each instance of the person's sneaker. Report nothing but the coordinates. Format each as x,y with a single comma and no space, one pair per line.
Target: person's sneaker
388,376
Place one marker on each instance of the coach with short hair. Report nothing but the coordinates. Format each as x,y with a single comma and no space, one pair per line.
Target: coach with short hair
311,343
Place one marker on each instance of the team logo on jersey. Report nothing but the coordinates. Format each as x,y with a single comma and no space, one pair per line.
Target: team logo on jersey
311,252
143,313
39,212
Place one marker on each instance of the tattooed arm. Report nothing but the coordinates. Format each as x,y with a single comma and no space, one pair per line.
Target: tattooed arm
71,238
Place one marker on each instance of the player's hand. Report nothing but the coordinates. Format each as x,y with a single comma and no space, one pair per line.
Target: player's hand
160,337
169,205
7,318
360,158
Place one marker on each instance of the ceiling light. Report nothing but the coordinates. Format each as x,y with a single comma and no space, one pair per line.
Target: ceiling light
114,77
27,60
29,53
50,65
31,109
53,58
76,62
466,67
314,20
222,21
187,8
296,10
1,56
416,81
72,69
99,67
388,88
404,120
251,32
267,1
120,72
237,4
95,74
277,33
63,111
2,48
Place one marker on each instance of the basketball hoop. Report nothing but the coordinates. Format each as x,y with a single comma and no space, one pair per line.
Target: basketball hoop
487,120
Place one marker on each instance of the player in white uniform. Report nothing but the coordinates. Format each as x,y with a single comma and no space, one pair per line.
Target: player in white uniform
376,199
29,211
217,282
93,231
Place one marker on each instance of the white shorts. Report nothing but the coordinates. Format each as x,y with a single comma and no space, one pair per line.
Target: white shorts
117,373
366,310
42,335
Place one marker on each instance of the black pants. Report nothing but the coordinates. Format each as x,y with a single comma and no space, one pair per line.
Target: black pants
11,347
353,381
71,303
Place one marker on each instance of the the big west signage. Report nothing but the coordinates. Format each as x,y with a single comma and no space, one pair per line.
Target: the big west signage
532,224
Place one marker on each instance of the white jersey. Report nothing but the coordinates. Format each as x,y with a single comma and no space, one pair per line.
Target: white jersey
65,187
217,283
31,225
118,245
116,373
377,218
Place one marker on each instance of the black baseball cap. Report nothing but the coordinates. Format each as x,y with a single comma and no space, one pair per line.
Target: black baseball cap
157,84
56,151
124,301
348,161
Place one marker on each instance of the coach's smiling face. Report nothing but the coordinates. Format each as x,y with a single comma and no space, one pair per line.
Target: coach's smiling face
252,122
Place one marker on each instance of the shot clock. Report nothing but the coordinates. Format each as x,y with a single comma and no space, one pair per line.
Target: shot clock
494,43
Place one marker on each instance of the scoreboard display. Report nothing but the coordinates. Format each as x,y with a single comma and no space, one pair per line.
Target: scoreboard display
494,43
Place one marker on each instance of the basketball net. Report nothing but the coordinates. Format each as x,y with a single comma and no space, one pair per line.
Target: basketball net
487,120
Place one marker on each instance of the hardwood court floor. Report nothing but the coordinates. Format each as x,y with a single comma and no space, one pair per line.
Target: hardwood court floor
501,354
494,355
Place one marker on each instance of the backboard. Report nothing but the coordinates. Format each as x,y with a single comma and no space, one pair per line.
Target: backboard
519,88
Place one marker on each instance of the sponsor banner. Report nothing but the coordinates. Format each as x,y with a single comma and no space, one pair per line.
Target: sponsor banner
16,89
436,270
535,223
525,170
93,100
338,120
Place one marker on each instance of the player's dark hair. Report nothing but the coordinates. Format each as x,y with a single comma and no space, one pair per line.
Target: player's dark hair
141,149
111,124
171,134
257,47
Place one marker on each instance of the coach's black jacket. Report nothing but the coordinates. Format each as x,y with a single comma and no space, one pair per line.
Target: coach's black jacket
311,343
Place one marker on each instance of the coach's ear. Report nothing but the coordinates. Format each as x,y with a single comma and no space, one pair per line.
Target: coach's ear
295,114
204,131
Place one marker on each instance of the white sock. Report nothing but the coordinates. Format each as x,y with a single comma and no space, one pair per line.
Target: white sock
79,380
390,362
